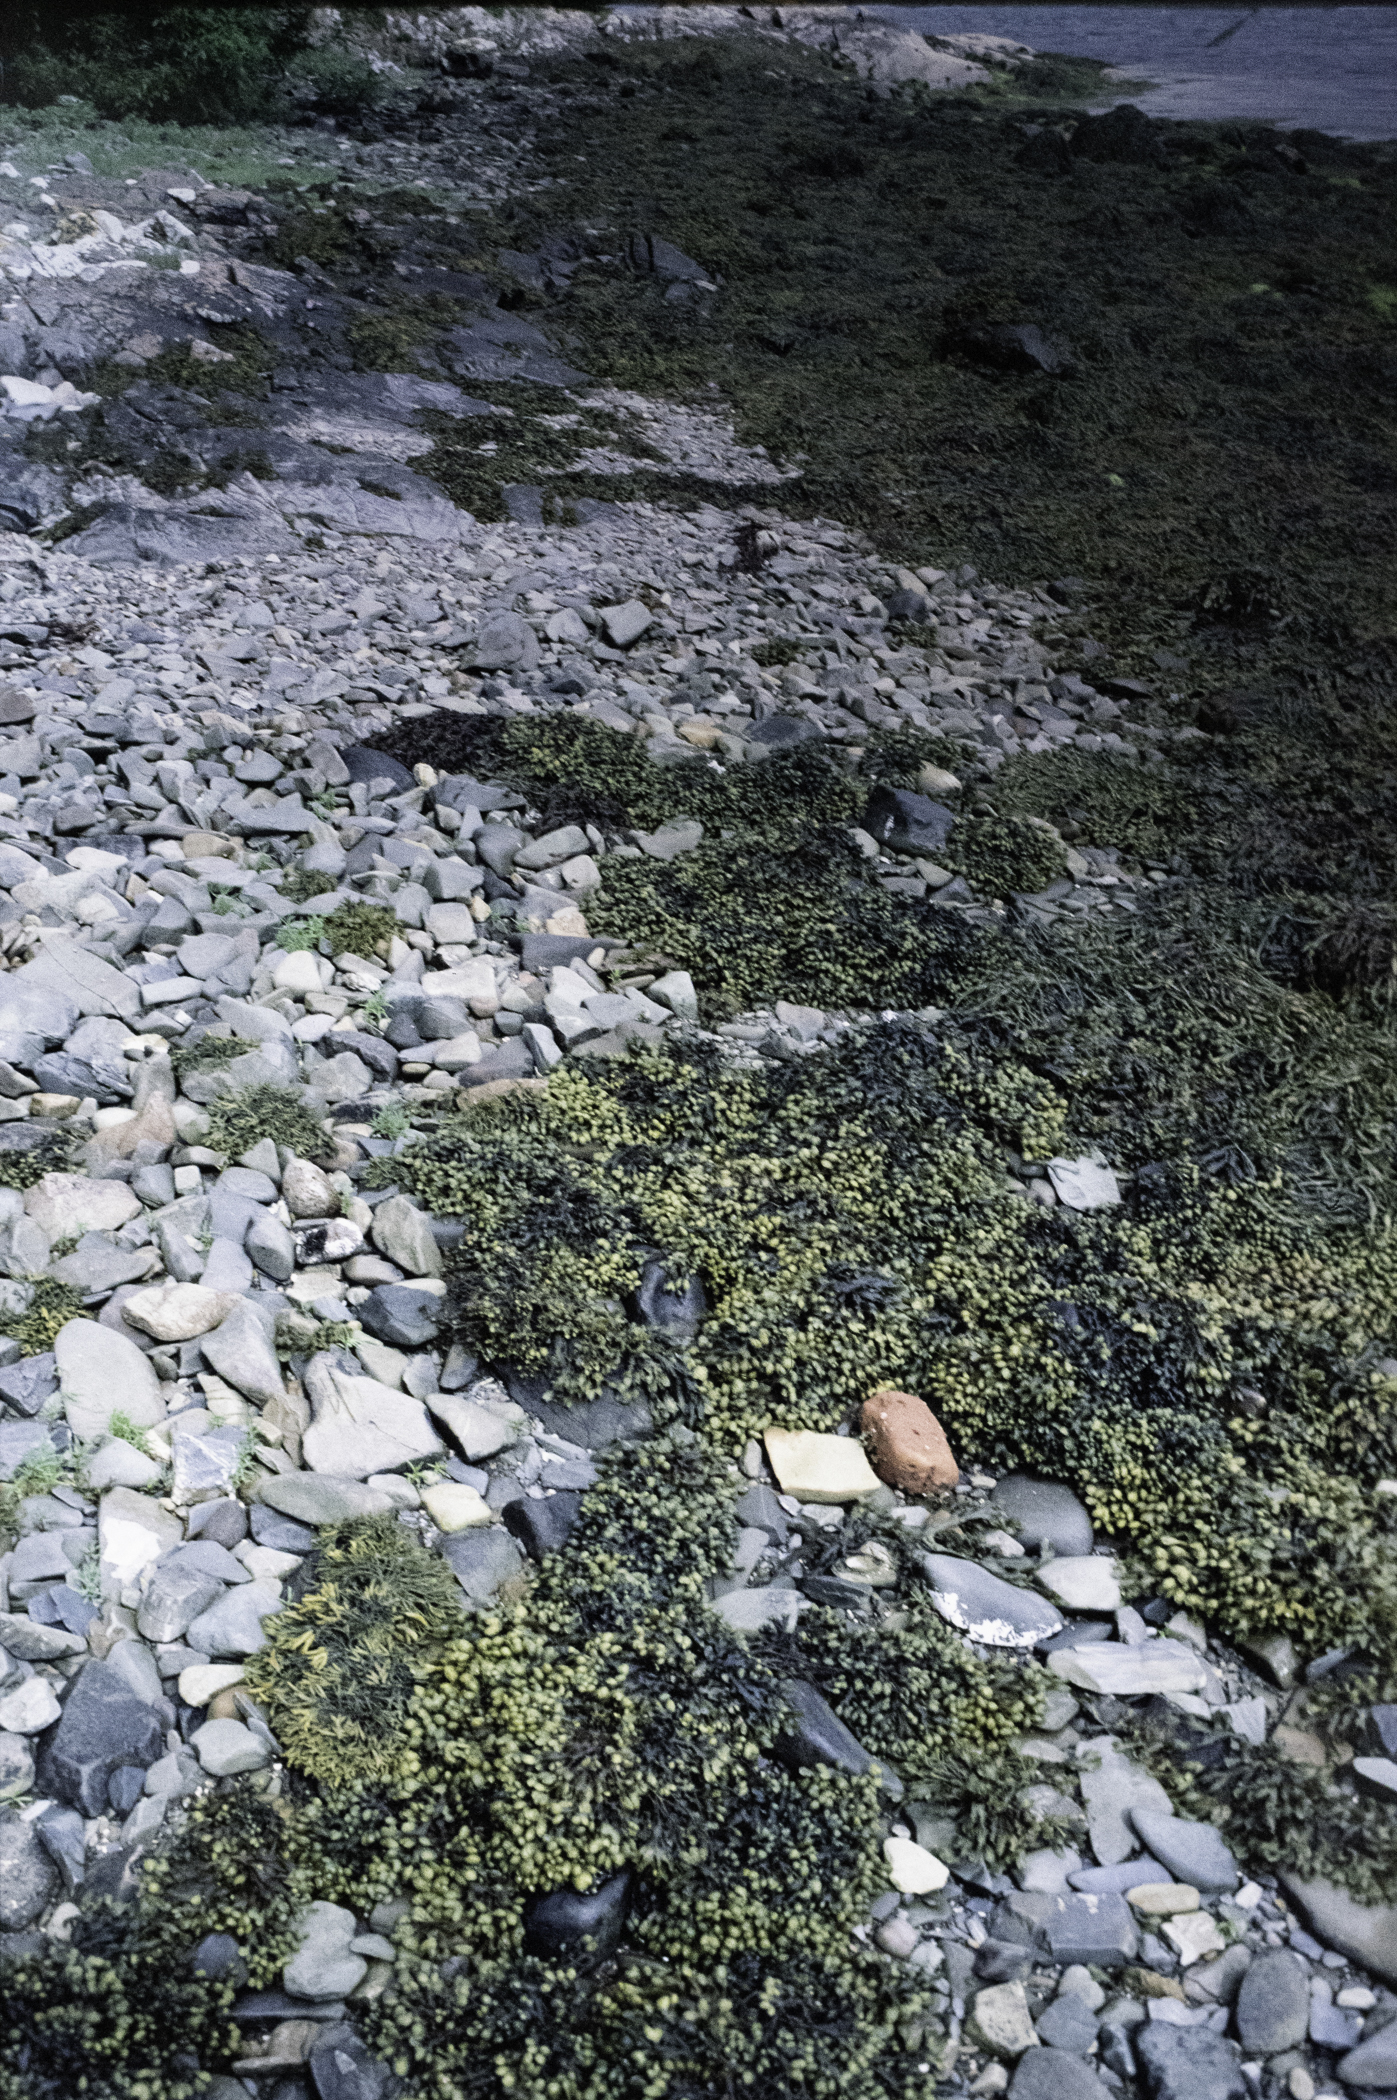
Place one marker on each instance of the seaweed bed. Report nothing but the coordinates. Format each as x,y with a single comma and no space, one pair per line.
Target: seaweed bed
1210,1364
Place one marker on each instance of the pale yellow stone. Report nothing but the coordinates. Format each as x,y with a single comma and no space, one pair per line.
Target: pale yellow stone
453,1506
912,1868
1162,1899
1192,1938
817,1468
203,1681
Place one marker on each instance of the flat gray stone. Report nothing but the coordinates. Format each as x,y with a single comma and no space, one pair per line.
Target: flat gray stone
101,1374
1373,2062
1366,1933
323,1498
1111,1787
1097,1930
241,1350
28,1641
361,1427
1273,2004
1121,1672
233,1626
1193,1852
1046,1513
477,1431
749,1611
989,1609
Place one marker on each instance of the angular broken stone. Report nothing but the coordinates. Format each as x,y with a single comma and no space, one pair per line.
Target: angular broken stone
988,1609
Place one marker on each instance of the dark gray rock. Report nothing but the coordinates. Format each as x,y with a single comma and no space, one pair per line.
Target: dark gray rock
28,1877
218,1955
61,1830
63,1606
1015,346
1051,2074
364,764
1188,2063
125,1788
1097,1930
401,1316
103,1726
225,1522
986,1607
677,1313
782,733
813,1734
542,1526
1193,1852
1002,1961
1046,1513
25,1386
19,1441
284,1534
482,1562
759,1507
1273,2005
341,2068
594,1424
563,1923
908,823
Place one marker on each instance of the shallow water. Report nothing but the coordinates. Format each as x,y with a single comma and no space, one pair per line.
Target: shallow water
1325,68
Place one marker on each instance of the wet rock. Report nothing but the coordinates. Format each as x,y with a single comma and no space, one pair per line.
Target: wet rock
813,1734
565,1924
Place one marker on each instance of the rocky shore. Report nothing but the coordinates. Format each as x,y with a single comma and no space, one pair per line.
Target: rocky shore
695,1295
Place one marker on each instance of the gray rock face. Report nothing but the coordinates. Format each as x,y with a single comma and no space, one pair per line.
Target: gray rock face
1046,1513
505,642
987,1608
402,1317
1366,1933
322,1498
28,1877
1273,2005
1193,1852
104,1725
1188,2063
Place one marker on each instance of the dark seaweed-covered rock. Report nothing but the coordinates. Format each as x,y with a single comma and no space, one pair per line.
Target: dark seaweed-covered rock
563,1923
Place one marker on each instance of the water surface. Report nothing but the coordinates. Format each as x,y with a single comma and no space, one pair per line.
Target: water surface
1324,68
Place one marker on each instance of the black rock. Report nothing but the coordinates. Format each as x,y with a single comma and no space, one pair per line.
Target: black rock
401,1316
270,1528
341,2068
1123,134
401,1032
838,1596
564,1923
29,1383
908,823
103,1725
461,791
676,1313
367,765
217,1955
592,1423
782,732
1188,2063
1015,346
125,1788
813,1734
542,1527
253,2006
